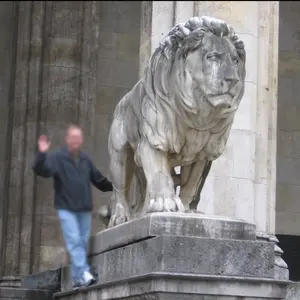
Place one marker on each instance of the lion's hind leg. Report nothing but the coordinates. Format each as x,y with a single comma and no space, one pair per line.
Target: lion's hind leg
192,180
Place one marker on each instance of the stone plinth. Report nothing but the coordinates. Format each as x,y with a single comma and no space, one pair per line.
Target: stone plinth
181,256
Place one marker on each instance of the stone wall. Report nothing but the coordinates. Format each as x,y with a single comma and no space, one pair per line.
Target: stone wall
72,62
288,155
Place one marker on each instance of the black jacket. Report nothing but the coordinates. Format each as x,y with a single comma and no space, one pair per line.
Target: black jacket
71,181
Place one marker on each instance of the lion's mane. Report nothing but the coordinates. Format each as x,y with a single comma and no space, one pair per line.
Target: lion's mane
167,94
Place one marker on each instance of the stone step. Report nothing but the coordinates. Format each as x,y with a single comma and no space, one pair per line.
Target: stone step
172,286
10,281
24,294
46,280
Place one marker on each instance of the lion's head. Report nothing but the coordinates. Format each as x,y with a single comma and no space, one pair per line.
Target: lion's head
201,62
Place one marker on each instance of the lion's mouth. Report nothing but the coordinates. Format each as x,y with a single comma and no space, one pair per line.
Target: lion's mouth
220,101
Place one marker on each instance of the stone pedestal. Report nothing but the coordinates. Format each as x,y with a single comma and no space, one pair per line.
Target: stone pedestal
181,256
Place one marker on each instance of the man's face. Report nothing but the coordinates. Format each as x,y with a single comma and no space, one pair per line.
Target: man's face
74,139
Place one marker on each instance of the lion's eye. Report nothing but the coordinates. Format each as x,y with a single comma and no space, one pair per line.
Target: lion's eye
212,57
236,61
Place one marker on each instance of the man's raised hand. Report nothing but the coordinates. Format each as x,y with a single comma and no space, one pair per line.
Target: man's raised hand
43,143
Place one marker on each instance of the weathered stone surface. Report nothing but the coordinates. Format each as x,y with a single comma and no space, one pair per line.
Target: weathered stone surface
179,244
281,271
24,294
187,255
163,286
180,256
293,292
47,280
173,224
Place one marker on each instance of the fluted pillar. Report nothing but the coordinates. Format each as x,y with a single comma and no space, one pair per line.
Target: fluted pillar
73,61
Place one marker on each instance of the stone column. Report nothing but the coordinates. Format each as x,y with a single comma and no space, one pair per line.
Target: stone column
74,61
19,229
8,12
230,190
241,184
158,17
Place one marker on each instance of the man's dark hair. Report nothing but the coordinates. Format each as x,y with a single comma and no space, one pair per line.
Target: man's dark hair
73,126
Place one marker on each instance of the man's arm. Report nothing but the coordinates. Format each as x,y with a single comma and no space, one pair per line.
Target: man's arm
99,181
44,164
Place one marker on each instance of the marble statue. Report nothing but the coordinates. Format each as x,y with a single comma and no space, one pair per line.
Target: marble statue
179,114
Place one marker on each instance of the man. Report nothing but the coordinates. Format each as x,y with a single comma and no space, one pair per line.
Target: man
72,171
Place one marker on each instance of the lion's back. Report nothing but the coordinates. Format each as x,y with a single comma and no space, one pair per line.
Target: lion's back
128,113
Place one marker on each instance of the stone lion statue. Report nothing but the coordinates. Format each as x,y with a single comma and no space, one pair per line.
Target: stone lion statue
179,114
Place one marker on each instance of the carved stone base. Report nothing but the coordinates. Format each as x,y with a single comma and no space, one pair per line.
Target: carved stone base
181,256
281,271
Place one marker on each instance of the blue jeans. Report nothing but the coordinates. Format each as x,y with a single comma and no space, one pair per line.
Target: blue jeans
76,228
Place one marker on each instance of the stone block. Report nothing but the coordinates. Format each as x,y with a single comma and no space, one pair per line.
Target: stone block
187,256
172,224
232,11
107,45
243,119
127,18
47,280
225,190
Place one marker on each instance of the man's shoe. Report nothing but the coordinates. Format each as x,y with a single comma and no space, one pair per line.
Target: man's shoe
77,284
88,278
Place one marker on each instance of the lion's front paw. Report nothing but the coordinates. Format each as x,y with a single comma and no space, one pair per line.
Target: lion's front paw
161,204
117,220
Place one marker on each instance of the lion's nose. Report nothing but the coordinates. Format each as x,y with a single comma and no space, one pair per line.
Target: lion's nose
229,82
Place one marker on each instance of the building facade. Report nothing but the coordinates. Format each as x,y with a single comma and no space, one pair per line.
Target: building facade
72,61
